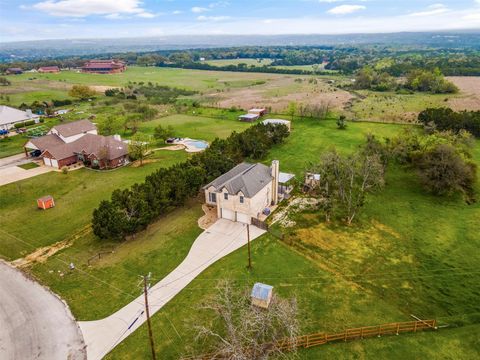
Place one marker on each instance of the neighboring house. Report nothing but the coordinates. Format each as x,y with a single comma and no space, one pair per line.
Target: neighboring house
244,192
95,150
49,69
10,116
278,122
78,141
72,131
14,71
104,66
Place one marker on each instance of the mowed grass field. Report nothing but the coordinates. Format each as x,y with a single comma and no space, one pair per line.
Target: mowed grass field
29,87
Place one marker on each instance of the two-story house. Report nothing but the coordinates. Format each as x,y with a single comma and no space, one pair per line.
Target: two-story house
244,192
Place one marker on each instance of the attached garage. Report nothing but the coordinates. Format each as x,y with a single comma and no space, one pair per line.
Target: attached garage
47,161
54,163
228,214
244,218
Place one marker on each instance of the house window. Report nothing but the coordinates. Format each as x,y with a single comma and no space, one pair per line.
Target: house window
241,200
225,196
212,197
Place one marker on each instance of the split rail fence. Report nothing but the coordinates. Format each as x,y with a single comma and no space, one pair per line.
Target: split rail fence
316,339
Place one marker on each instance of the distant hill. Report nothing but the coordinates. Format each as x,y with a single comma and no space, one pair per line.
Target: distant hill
30,50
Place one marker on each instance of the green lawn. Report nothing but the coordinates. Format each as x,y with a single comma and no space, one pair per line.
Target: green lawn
12,145
76,194
28,166
196,127
309,138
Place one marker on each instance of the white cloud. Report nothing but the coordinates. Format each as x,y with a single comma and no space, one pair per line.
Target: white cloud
434,9
346,9
212,18
82,8
177,12
198,9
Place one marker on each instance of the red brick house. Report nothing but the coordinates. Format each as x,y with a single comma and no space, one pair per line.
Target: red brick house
104,66
49,69
69,143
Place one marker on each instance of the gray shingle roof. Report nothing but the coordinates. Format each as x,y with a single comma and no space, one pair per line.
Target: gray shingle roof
245,177
261,291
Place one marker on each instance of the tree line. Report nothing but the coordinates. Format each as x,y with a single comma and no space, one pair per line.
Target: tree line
434,82
447,119
132,210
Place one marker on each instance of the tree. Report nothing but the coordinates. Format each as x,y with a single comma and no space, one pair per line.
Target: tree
245,331
4,81
110,126
138,147
345,182
342,122
161,133
444,171
81,92
292,109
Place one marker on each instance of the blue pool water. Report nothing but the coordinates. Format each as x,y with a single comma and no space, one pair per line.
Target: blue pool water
199,144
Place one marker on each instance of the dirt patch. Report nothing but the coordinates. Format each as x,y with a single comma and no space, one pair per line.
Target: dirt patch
277,93
171,148
209,218
102,88
294,206
137,163
42,254
469,98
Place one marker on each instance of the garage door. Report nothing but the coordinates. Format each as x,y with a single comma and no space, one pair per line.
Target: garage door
228,214
244,218
55,163
47,161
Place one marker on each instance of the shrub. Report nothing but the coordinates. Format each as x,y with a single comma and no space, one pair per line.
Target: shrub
19,125
64,170
29,122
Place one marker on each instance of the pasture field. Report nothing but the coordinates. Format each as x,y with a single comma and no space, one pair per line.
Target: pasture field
407,253
249,62
333,271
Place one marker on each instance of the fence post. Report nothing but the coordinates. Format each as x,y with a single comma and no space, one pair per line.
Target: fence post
415,327
398,328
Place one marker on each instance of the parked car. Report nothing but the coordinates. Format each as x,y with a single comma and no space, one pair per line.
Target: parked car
35,153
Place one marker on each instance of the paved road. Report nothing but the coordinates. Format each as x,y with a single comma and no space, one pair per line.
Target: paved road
34,323
219,240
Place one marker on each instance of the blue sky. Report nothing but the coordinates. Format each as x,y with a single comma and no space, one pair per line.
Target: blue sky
58,19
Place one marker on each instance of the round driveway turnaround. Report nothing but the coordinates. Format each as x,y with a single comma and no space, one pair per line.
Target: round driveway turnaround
35,324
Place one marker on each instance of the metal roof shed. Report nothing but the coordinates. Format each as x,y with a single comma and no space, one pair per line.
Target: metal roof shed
262,295
248,117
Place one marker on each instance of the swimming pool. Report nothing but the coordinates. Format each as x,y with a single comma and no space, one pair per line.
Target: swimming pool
199,144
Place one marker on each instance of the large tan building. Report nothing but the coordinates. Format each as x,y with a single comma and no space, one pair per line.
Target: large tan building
244,192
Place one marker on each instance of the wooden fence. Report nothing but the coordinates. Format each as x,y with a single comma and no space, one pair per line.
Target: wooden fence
306,341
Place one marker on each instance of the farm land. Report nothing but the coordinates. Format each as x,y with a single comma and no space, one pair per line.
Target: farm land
408,253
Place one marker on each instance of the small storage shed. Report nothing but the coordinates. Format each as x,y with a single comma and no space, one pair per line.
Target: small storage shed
258,111
262,295
45,202
248,117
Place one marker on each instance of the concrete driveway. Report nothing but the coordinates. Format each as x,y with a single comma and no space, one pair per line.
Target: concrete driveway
13,160
34,323
10,174
219,240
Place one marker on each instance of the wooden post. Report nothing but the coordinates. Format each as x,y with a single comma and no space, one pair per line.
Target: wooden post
147,311
249,252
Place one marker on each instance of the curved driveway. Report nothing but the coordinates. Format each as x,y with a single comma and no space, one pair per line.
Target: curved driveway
34,323
219,240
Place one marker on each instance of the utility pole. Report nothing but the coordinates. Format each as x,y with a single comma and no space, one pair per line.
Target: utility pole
249,253
147,311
